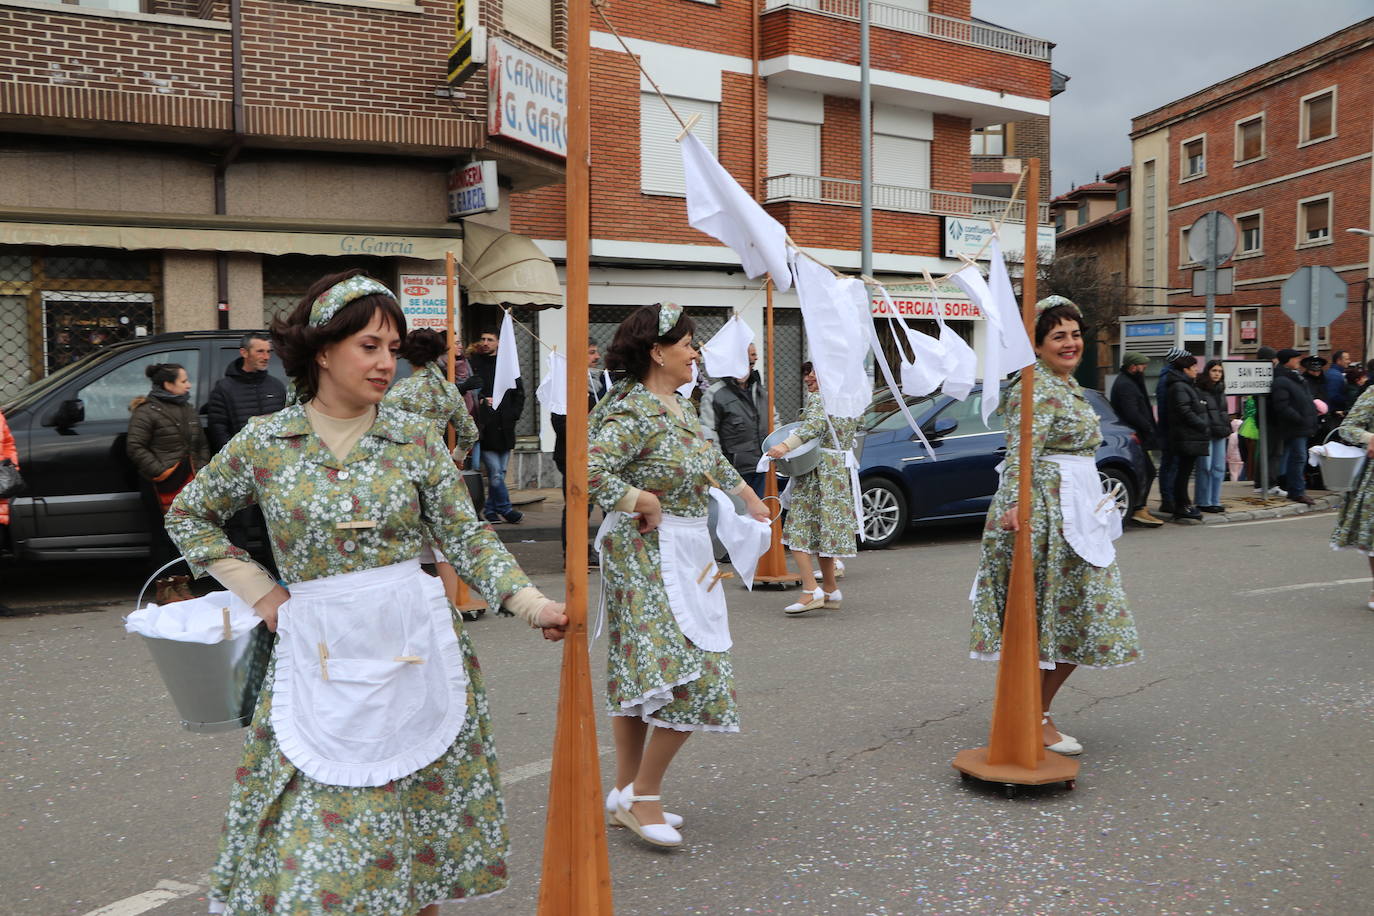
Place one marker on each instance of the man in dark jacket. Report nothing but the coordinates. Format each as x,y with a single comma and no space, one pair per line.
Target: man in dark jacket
1335,383
734,415
497,425
1295,419
1132,405
1168,461
246,391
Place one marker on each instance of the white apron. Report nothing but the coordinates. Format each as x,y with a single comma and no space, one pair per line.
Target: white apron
370,684
1091,520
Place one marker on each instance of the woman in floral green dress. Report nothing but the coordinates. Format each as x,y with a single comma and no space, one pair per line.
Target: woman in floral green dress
351,491
821,517
1355,523
1082,614
649,467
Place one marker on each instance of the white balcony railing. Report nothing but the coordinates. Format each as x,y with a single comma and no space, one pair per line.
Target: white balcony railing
845,192
919,22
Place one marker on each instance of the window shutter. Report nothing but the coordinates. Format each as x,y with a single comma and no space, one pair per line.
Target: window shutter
660,160
532,20
793,148
901,161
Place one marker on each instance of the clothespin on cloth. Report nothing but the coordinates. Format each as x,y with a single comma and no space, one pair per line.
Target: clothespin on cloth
228,630
717,577
409,659
705,572
687,128
324,661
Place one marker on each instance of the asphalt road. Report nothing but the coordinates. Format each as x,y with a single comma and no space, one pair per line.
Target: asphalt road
1229,772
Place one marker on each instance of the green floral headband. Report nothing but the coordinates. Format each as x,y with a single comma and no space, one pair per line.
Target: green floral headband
1050,302
668,315
342,293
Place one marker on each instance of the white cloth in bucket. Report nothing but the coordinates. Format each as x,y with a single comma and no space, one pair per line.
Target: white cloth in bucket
1316,453
198,620
689,570
391,694
745,537
727,353
1091,519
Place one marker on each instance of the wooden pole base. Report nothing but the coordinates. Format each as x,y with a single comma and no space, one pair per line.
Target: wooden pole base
464,600
1054,768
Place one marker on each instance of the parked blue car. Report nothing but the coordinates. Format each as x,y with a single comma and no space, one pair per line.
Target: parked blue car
902,486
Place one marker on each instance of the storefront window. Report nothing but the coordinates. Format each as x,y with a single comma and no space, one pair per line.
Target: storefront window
285,278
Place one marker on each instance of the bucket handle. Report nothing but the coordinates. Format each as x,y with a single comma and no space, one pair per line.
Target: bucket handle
779,502
138,605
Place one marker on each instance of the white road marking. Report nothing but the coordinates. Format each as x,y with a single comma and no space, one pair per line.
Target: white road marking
1297,587
1286,518
164,892
167,891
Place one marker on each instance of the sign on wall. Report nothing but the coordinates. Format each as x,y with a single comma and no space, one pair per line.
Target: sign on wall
967,236
424,301
1248,376
915,301
469,42
473,189
527,98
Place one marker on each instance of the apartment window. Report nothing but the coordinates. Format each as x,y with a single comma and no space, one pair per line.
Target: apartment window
1251,227
1250,139
532,20
989,141
1245,328
1193,158
660,162
1184,258
1314,221
1323,337
1319,115
1059,221
794,147
902,162
1123,195
1082,214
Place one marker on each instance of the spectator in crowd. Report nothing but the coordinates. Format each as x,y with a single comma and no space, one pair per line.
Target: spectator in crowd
734,415
1356,380
1314,378
496,422
1295,420
1189,431
167,447
245,391
1168,461
1211,468
1337,399
1131,402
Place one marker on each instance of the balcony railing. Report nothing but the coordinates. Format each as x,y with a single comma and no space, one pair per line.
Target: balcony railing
918,22
845,192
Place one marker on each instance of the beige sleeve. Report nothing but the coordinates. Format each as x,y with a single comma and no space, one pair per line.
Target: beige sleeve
526,603
791,442
244,578
627,502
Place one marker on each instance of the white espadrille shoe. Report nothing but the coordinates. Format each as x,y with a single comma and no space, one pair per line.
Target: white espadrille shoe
809,601
613,802
833,599
657,834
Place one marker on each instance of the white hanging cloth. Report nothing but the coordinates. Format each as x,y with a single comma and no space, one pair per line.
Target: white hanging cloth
686,389
833,308
507,363
746,538
553,390
881,360
961,362
727,353
1007,348
718,206
924,372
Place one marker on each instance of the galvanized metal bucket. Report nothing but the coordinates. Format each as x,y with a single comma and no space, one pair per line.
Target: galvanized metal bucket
801,460
1341,473
214,687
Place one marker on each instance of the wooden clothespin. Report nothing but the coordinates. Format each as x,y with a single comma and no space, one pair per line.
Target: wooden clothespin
687,127
409,659
228,630
717,577
705,572
360,523
324,661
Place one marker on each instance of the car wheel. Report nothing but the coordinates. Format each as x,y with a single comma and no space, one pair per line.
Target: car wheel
885,514
1116,483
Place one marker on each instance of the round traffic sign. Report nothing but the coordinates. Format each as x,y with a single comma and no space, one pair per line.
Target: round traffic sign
1199,249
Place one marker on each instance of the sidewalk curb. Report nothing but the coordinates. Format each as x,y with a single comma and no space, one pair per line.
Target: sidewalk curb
1284,510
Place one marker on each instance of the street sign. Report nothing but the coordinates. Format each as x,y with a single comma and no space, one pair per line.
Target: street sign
1313,296
1226,282
1203,248
1246,376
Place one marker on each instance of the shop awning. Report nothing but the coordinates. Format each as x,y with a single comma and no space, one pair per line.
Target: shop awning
504,268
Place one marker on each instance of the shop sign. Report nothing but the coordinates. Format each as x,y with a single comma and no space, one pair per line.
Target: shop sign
1146,329
469,42
472,189
1248,376
966,236
917,302
1199,328
424,301
377,245
527,98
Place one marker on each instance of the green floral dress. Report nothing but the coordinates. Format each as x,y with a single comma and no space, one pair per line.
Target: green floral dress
1081,608
653,671
820,508
1355,522
429,393
291,844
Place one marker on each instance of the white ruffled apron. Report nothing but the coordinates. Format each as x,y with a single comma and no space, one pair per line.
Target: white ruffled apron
1091,519
690,577
370,684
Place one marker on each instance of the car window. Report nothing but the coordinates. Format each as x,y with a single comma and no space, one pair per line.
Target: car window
968,413
883,413
108,397
227,354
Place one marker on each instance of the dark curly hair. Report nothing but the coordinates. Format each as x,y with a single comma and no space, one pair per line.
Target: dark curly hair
298,343
636,336
162,373
423,346
1050,318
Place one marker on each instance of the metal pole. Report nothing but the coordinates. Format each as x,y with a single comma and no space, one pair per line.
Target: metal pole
1263,448
865,148
1314,282
1211,282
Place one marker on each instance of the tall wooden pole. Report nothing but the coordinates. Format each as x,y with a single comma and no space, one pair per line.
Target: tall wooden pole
772,566
576,880
1016,753
460,596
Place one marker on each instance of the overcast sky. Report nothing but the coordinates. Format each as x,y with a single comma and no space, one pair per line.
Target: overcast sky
1127,57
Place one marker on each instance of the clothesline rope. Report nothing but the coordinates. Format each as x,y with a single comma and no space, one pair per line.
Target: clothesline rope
599,6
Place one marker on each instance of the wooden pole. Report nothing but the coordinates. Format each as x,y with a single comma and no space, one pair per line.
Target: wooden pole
576,879
1016,753
772,568
459,595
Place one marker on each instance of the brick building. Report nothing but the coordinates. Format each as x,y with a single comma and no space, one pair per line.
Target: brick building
1286,149
777,91
165,156
1000,150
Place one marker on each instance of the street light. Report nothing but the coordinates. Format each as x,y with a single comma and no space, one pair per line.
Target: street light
1368,233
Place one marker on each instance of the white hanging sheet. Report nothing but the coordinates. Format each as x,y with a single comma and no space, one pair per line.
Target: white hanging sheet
507,363
924,372
727,353
833,308
718,206
1006,346
961,362
553,390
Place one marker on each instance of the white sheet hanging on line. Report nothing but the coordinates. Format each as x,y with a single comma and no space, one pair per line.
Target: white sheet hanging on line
507,363
881,361
924,372
961,362
833,309
727,353
553,390
718,206
1006,348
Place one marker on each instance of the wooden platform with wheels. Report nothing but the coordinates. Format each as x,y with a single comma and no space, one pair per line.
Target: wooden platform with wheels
973,764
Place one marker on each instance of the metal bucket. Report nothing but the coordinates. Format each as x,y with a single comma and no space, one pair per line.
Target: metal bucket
214,687
1340,474
801,460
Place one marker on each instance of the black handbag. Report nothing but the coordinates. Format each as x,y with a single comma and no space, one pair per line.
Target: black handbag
11,483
